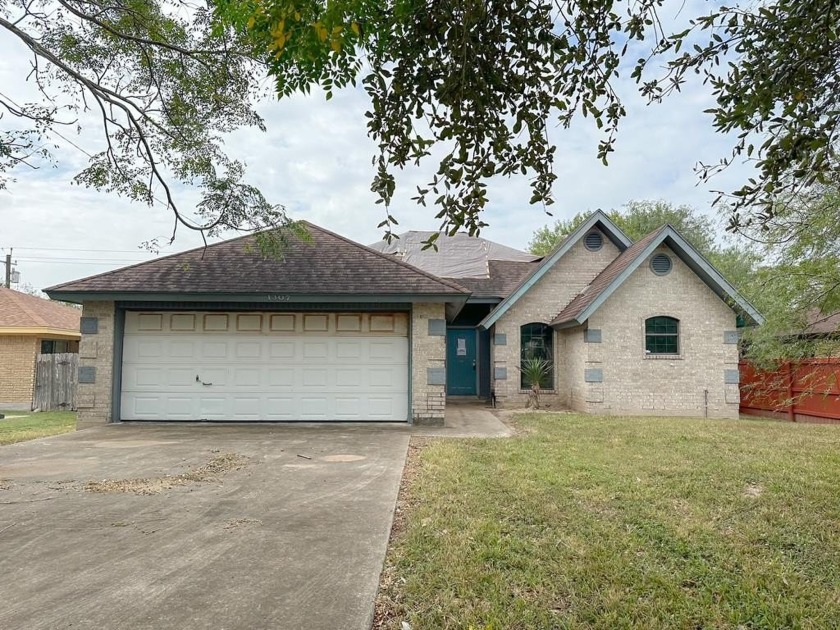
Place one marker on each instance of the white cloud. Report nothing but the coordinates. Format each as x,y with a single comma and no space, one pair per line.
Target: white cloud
315,159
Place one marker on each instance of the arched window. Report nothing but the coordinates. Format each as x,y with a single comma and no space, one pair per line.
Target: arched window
662,335
537,345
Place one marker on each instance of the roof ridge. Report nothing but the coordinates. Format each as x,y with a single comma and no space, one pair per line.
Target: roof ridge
444,281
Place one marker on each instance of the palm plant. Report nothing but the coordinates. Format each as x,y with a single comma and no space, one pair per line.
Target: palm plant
536,371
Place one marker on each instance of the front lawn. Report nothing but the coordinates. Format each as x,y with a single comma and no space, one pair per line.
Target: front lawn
589,522
35,425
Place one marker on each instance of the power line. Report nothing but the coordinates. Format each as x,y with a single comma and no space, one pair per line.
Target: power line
69,249
71,260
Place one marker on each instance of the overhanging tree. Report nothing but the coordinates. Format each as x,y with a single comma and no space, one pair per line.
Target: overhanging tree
799,291
476,81
481,81
164,82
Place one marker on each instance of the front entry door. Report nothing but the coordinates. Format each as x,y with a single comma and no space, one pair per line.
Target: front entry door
461,375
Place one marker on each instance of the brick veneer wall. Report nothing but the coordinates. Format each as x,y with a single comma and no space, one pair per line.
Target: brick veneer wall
635,384
93,400
428,402
568,277
575,350
17,371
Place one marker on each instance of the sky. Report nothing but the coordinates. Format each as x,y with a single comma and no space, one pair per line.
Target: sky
315,160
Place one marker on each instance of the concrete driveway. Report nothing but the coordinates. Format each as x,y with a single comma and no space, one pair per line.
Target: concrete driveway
197,527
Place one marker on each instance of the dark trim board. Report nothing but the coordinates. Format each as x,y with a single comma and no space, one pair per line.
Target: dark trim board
256,298
116,367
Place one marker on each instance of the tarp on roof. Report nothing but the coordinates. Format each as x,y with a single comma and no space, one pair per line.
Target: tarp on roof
459,256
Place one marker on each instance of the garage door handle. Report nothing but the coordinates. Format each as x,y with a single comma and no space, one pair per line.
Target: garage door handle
198,380
205,384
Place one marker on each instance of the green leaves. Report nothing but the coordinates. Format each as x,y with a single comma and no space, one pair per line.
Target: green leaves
165,86
777,90
479,81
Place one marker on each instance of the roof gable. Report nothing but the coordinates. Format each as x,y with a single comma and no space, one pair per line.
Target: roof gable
328,264
596,219
605,284
19,310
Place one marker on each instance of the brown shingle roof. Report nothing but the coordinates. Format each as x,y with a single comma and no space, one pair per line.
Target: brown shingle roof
604,279
329,264
820,324
19,310
505,276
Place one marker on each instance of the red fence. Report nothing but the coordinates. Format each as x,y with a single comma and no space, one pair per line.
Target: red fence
807,390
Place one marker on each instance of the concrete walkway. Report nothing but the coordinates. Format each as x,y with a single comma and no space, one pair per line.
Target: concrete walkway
467,419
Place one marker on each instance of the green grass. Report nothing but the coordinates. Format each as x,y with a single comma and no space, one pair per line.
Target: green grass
35,425
589,522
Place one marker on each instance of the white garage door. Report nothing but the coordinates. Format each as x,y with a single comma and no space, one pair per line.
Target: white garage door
265,366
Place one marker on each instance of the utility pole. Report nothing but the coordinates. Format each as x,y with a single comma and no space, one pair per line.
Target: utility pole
9,269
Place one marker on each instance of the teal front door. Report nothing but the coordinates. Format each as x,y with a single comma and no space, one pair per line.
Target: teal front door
461,375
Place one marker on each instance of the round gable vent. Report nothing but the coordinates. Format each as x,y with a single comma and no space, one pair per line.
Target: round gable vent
660,264
593,241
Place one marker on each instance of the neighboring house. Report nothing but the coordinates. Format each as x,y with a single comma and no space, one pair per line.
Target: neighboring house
338,331
30,326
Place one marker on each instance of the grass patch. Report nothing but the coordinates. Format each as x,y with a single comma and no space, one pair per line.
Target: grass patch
35,425
589,522
211,471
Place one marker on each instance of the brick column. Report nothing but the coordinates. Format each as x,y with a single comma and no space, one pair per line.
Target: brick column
428,364
96,361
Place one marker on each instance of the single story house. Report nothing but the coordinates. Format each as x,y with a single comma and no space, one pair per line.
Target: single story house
30,326
336,331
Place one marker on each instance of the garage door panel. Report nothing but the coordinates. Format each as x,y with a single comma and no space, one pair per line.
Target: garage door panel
348,377
317,377
281,378
281,349
388,351
177,349
247,349
247,377
316,350
280,408
213,350
349,407
238,374
154,407
215,377
179,377
314,408
213,407
350,349
246,408
381,407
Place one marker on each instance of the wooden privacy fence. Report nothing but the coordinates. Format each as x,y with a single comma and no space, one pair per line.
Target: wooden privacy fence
807,390
55,382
